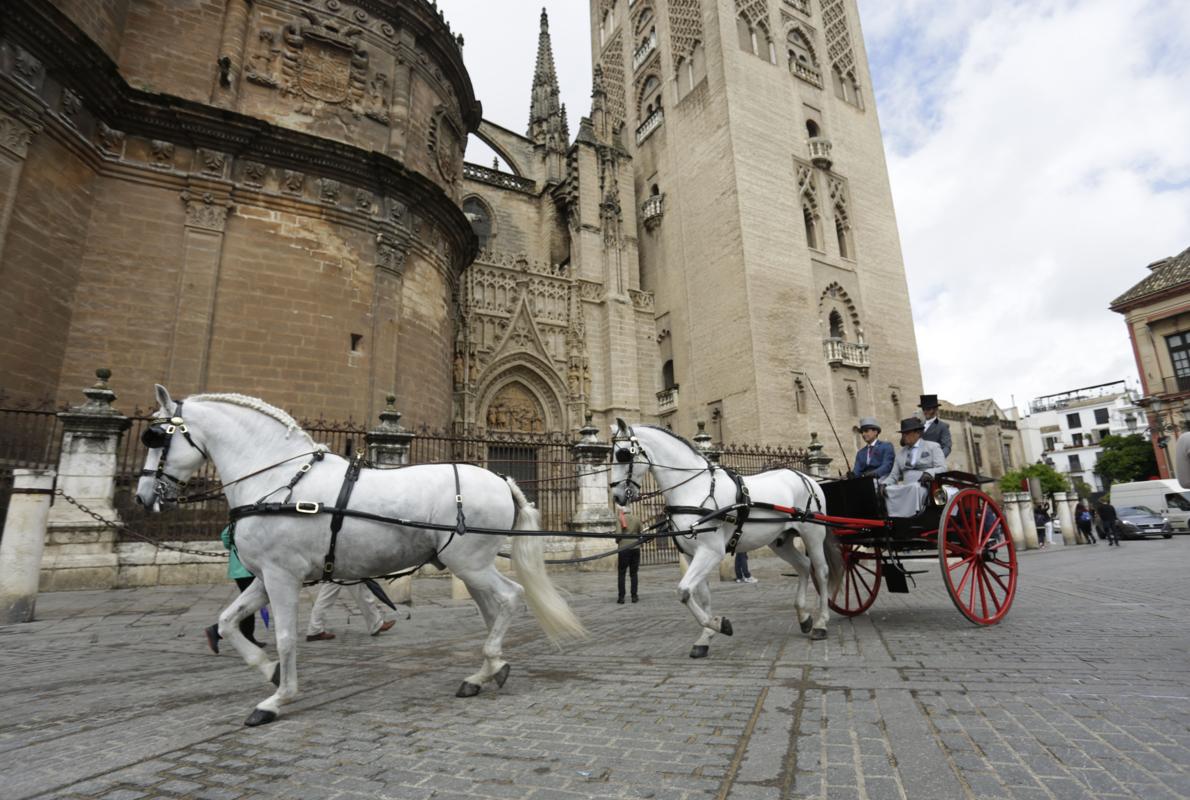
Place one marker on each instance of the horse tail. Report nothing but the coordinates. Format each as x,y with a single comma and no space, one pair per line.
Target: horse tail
834,561
528,559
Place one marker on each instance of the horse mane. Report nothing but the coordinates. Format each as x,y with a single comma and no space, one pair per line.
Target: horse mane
680,438
256,404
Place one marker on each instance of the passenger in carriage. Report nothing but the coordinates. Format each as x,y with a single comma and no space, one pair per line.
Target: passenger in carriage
907,486
875,458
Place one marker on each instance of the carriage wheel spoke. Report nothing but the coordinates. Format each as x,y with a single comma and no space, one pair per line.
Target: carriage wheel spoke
967,560
999,580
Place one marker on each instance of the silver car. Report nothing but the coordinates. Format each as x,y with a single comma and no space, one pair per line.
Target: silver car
1142,522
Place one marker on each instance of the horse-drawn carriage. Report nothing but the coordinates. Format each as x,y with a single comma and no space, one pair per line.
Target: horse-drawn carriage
960,527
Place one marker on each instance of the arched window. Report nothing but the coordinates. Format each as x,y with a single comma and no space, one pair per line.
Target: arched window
799,48
654,190
650,97
799,395
644,19
480,217
841,235
667,375
836,323
811,227
812,128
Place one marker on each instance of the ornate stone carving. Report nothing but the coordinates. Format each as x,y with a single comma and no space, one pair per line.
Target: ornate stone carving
324,64
685,28
262,64
396,210
363,200
292,181
212,162
27,69
254,173
72,104
838,37
376,106
515,408
205,212
15,135
612,65
641,301
163,153
390,253
446,144
328,190
110,139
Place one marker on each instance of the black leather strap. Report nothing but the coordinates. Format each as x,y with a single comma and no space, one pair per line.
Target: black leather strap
743,502
349,479
460,518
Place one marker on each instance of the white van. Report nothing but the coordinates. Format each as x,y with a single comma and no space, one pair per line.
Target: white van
1166,497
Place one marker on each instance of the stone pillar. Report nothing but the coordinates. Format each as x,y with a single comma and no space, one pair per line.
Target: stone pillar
231,54
593,512
18,126
81,551
1025,508
388,446
1012,517
23,543
819,461
1071,505
1062,511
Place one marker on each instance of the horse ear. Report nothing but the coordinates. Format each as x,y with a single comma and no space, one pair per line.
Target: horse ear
621,427
163,399
1182,460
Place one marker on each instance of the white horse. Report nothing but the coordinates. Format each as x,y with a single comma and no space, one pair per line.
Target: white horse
258,450
694,489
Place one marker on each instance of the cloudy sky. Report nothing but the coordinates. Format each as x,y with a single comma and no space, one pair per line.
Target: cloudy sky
1039,152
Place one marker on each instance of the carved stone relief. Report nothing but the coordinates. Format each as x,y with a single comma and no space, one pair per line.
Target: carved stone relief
515,408
328,190
72,104
110,139
15,135
27,69
163,153
204,211
212,162
293,181
254,173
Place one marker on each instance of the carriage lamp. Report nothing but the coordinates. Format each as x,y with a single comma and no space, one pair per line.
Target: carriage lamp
938,495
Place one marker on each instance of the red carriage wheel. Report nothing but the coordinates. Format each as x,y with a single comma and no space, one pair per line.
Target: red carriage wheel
977,557
861,580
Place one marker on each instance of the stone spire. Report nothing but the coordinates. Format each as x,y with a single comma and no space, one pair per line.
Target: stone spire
547,120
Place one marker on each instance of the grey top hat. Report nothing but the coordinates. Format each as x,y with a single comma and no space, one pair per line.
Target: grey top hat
869,422
911,424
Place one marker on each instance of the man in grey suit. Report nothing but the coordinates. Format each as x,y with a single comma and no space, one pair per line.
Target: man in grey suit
908,485
936,430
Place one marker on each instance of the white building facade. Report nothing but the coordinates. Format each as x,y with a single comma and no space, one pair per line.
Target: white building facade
1066,429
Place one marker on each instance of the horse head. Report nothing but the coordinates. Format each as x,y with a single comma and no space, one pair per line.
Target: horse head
629,464
174,454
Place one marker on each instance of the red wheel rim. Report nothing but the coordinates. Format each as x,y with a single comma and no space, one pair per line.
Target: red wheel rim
861,581
977,557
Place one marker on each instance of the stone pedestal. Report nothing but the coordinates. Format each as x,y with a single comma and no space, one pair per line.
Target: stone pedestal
23,543
388,443
1028,526
1065,518
819,462
1012,517
593,511
80,551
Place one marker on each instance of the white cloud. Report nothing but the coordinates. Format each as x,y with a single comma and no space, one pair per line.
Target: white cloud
1027,176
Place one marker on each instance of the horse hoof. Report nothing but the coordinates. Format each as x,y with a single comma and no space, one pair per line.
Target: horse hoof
725,627
260,717
276,680
699,651
467,689
806,624
501,676
817,634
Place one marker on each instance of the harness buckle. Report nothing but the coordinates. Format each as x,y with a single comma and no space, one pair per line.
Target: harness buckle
305,467
169,430
459,499
730,518
328,568
306,507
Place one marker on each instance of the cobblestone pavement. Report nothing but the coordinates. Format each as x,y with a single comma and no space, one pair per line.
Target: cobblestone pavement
1081,693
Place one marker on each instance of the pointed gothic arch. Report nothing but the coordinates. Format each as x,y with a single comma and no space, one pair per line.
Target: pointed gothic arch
835,300
521,377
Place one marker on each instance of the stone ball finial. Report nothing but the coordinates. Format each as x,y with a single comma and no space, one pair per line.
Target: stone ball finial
588,417
103,373
701,425
390,400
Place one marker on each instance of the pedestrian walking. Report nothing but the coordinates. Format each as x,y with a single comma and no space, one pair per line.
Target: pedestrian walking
243,578
628,561
742,573
1082,519
317,631
1110,522
1041,520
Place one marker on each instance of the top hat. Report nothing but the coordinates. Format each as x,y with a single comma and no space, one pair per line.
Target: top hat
869,422
929,401
911,424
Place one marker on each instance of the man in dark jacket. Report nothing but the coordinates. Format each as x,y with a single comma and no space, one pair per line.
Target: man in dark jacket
1110,522
936,431
875,458
627,561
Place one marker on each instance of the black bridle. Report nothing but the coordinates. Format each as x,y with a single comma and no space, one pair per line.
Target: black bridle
627,455
159,436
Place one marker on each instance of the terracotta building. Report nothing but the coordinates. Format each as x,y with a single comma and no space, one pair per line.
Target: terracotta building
1157,313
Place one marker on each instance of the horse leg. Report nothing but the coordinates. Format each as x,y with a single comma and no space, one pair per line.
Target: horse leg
282,591
704,562
702,594
814,544
497,598
788,551
248,603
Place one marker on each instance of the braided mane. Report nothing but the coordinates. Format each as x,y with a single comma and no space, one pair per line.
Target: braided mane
697,451
256,404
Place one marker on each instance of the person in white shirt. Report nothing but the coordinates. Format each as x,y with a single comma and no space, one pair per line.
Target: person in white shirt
907,486
936,430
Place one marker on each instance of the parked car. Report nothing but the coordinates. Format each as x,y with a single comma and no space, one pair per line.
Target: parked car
1166,497
1142,522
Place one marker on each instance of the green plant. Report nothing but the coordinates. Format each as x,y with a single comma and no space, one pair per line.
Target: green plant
1051,480
1125,459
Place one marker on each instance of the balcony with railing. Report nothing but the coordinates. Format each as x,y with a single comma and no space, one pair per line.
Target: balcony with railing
504,180
652,210
645,50
806,71
820,151
841,353
667,400
646,128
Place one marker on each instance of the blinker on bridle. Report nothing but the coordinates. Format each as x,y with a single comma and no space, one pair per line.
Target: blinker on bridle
159,435
627,455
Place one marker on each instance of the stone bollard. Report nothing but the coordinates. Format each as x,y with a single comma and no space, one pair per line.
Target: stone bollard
1062,507
593,510
1012,516
23,543
1028,526
1072,504
80,552
388,446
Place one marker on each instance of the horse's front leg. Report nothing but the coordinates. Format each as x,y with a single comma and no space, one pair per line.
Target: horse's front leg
282,591
706,560
245,605
821,582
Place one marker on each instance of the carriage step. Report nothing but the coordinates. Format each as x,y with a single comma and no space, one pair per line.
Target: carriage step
896,578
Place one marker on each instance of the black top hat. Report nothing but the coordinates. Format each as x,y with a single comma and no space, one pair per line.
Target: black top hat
929,401
911,424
